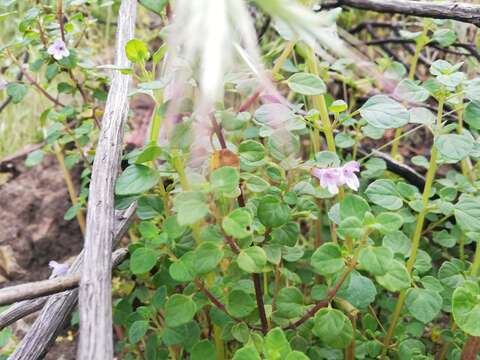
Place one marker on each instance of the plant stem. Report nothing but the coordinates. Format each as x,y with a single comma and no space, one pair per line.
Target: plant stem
333,291
473,272
411,75
60,19
70,187
219,346
283,57
465,163
320,104
260,304
417,234
178,164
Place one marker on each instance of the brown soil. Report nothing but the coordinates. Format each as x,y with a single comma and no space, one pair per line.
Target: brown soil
32,204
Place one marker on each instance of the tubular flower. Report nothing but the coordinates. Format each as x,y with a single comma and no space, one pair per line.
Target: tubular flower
329,178
58,50
333,178
348,174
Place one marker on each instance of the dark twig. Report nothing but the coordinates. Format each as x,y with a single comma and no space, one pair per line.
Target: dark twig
32,81
323,303
218,131
469,47
385,48
214,300
374,24
259,299
464,12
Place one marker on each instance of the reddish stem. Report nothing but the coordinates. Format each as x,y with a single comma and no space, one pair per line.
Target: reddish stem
249,102
471,348
323,303
260,304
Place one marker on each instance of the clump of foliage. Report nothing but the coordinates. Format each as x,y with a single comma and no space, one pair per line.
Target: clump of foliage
288,238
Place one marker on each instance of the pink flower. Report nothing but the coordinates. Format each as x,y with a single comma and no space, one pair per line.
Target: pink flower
58,269
3,83
348,175
330,178
58,50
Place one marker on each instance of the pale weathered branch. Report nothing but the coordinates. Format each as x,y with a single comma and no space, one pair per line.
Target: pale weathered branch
464,12
27,307
41,288
57,309
95,298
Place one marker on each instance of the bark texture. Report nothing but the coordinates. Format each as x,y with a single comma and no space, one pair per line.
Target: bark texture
57,308
464,12
95,298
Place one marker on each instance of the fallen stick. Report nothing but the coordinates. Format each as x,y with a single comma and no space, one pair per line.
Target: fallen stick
438,10
95,295
38,289
24,308
57,307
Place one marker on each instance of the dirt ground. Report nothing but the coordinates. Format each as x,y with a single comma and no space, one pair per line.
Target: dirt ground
32,204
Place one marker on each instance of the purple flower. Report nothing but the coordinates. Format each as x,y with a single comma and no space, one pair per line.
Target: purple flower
57,269
3,83
330,178
348,175
58,50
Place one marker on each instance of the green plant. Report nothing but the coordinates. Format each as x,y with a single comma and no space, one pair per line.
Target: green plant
268,227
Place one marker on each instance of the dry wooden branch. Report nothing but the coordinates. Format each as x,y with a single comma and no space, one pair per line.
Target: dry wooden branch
57,309
42,288
95,298
36,289
438,10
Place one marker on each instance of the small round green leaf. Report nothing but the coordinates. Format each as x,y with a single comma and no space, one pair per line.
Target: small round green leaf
203,350
143,260
383,112
207,257
179,310
423,304
384,193
252,259
239,303
136,179
376,259
327,259
466,307
272,212
333,328
238,223
136,51
396,278
225,181
306,84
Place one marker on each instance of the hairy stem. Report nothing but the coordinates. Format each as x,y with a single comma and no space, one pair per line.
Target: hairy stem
417,234
411,75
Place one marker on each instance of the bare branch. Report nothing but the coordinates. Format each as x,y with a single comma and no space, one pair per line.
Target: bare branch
95,298
438,10
57,309
37,289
